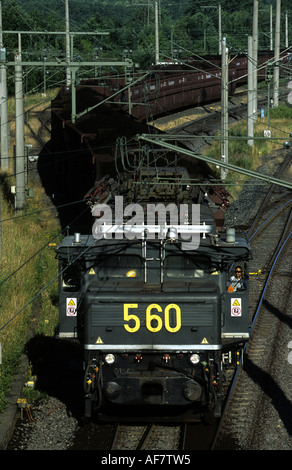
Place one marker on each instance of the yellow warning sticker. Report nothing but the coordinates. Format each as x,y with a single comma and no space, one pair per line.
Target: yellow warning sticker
236,309
71,307
99,341
204,341
92,271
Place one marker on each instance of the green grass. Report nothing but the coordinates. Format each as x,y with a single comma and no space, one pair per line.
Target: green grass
250,157
23,275
28,264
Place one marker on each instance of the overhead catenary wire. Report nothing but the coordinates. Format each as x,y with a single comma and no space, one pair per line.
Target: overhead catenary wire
132,168
253,117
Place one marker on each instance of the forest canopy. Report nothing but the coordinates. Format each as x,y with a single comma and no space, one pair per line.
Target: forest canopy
186,27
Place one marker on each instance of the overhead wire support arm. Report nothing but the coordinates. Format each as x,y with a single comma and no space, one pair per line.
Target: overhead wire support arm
71,33
63,63
227,166
209,138
74,66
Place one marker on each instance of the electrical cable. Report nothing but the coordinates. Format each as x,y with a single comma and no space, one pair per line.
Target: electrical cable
42,210
46,286
45,246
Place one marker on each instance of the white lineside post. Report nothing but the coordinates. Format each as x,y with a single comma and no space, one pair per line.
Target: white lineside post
271,27
277,54
19,135
68,71
156,35
224,108
4,104
250,88
255,43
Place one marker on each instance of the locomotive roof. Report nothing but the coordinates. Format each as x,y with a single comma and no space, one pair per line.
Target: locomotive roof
213,245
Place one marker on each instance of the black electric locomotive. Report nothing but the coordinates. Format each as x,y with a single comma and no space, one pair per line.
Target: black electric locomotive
148,299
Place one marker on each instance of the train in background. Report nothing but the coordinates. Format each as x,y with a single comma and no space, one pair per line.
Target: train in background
169,87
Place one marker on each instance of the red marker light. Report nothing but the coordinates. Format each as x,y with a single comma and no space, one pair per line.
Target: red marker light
166,358
138,357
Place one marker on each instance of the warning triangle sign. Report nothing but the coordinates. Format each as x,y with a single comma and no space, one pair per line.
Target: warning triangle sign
71,303
91,271
236,303
204,341
99,341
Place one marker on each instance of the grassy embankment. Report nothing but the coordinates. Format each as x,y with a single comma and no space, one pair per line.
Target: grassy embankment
27,265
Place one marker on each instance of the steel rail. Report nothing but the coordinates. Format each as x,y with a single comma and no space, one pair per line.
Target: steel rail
277,253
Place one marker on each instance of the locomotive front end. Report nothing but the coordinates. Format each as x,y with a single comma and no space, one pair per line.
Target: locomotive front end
152,314
151,343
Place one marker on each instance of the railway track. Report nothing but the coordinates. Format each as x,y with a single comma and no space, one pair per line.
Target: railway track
151,437
254,387
40,132
210,123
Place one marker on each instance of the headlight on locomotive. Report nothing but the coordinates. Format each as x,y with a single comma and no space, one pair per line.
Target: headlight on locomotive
194,359
109,359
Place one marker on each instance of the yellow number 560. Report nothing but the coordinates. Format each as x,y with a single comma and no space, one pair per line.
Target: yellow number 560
153,317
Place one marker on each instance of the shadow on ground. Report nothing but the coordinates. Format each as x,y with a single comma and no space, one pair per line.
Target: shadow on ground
58,366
